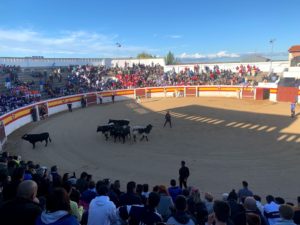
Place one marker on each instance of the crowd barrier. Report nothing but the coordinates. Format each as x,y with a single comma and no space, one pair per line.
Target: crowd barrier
22,116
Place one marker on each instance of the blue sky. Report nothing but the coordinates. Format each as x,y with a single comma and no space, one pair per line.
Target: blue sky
190,28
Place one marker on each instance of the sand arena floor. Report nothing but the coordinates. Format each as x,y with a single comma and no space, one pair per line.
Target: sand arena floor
223,141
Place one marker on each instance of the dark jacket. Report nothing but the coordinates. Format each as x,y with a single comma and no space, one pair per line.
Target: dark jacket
19,211
184,172
139,215
130,199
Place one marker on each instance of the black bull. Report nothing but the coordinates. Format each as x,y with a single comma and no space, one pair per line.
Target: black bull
116,131
33,138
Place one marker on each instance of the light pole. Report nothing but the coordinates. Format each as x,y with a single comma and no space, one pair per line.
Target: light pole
272,48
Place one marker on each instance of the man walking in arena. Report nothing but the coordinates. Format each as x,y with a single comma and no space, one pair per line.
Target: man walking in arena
168,119
293,107
184,173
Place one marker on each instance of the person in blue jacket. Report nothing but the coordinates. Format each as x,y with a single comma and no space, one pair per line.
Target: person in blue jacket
57,210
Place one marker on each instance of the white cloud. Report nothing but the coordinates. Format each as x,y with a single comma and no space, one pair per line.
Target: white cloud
221,54
174,36
25,42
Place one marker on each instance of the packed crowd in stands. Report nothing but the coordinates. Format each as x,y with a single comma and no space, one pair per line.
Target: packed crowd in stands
33,195
82,79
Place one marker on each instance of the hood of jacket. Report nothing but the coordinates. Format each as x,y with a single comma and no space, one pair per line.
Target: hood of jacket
52,217
101,200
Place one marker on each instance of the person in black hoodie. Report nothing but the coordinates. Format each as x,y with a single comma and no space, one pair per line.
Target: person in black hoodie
180,216
24,209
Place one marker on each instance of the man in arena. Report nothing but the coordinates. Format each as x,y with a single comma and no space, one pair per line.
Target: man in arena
168,119
184,173
293,107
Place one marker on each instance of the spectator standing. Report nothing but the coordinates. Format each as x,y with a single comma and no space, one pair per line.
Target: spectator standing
184,173
142,214
165,203
174,190
130,197
244,192
271,210
180,217
102,210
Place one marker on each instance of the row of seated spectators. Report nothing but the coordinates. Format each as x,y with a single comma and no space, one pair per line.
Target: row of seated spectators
6,69
16,98
82,79
32,195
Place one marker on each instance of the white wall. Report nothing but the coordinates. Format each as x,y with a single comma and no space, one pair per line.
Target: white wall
121,62
278,66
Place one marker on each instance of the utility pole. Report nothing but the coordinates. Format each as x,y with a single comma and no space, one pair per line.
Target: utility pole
272,41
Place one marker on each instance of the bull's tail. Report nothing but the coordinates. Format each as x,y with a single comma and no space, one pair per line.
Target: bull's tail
50,139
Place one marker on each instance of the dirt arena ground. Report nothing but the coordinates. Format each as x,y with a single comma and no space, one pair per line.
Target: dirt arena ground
223,141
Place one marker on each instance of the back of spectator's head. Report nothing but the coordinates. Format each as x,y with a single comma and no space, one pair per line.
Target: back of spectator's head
253,219
286,212
245,184
101,188
183,163
173,183
131,186
117,184
139,188
27,189
232,196
222,211
250,203
298,199
57,200
91,185
53,169
83,175
208,197
279,200
162,190
225,196
269,198
180,203
155,189
153,200
145,187
186,192
67,186
257,198
18,174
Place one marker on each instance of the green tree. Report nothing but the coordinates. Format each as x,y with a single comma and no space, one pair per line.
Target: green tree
145,55
170,59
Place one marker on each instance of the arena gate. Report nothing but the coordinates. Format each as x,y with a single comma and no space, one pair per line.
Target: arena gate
287,94
262,93
91,99
191,91
140,92
248,93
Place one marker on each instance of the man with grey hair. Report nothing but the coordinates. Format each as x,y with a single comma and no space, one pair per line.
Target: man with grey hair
286,215
24,208
250,208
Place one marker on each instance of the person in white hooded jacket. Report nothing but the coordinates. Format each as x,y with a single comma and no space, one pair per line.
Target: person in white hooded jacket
102,210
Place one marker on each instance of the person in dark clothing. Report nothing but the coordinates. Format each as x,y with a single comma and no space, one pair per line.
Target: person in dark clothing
180,216
56,178
235,208
221,214
168,119
24,209
81,183
142,214
130,197
70,106
184,173
297,212
10,190
113,98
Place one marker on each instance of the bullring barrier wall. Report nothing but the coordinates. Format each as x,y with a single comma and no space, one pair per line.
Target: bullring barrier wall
22,116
